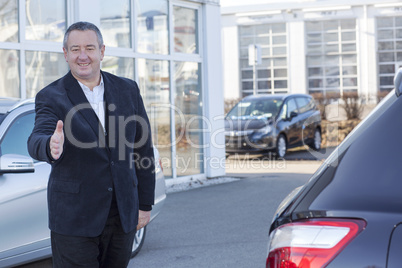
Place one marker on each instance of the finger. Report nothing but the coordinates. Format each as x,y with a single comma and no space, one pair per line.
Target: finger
59,127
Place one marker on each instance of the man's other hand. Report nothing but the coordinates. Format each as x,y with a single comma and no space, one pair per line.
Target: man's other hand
143,219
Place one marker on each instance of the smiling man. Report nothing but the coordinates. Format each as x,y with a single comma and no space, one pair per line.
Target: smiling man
96,198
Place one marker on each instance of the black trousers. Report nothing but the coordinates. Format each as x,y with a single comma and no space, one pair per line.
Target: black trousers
111,249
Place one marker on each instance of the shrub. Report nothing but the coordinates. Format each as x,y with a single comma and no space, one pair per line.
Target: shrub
352,104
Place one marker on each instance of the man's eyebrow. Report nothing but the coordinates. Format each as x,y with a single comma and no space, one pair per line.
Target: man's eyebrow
76,46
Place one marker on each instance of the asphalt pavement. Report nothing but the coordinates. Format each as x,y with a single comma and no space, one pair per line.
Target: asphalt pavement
222,225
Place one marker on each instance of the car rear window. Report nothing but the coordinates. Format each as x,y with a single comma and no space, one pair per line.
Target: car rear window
368,175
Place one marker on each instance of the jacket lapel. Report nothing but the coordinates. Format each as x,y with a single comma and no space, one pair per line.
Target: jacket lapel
111,99
81,104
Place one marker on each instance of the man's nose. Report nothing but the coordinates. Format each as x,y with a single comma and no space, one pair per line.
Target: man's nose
83,54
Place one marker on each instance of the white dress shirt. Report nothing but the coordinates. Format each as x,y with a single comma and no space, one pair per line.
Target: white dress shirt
95,98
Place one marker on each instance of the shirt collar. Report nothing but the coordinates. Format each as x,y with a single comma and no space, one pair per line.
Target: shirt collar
86,89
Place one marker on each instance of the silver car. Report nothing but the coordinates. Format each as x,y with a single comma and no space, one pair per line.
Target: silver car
24,233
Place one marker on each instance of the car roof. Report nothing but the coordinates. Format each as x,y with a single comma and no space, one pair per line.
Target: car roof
9,104
274,96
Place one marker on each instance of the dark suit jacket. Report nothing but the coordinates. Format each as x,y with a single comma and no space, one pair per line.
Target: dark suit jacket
94,164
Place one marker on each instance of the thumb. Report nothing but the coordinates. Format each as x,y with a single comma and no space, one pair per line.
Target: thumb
59,127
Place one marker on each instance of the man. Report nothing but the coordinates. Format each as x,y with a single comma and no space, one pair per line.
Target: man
93,129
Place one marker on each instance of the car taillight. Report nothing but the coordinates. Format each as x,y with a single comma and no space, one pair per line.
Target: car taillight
311,243
160,164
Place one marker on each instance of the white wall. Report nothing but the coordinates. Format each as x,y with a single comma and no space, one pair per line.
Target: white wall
213,99
296,57
230,56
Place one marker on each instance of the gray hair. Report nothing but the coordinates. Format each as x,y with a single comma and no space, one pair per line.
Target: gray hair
83,26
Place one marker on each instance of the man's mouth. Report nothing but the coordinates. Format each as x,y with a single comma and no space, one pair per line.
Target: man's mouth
83,64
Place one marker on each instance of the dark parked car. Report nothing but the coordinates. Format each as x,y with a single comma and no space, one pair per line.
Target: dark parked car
349,214
263,123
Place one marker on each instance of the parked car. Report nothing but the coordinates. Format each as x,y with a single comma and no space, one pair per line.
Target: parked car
263,123
349,214
24,232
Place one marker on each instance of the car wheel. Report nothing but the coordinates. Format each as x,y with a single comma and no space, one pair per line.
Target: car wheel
281,146
138,241
316,144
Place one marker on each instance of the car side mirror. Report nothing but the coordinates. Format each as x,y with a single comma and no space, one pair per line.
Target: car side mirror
292,114
398,82
13,163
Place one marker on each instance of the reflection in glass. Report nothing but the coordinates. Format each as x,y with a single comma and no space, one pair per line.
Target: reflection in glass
384,22
315,72
385,45
188,119
314,38
278,28
45,20
119,66
9,73
313,26
348,36
387,69
154,85
385,34
350,82
41,69
348,24
262,74
152,26
324,58
115,23
263,85
385,57
330,25
9,21
185,30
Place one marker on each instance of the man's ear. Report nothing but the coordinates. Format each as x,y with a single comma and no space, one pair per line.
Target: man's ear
102,50
65,53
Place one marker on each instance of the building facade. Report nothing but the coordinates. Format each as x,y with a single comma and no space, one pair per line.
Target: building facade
319,46
161,44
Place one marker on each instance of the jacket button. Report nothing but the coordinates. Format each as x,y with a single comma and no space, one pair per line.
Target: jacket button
110,189
112,163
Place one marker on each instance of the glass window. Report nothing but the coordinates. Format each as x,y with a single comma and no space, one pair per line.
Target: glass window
313,26
273,42
42,68
119,66
338,56
188,119
9,73
289,107
45,20
15,140
154,84
303,104
152,26
185,22
115,23
9,21
389,34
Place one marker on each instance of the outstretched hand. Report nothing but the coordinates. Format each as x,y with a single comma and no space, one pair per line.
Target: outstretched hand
57,141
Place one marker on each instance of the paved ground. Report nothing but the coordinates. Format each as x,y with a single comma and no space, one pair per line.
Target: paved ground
218,226
296,161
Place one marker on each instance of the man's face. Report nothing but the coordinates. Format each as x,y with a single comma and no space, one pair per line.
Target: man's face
84,55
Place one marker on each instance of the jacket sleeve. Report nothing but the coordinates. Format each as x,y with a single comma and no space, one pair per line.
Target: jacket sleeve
145,169
45,124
